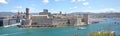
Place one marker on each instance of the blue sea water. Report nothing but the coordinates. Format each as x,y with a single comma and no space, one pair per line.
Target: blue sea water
61,31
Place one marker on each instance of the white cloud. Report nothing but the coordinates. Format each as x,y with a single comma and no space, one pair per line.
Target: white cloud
89,7
83,0
3,2
75,7
45,1
34,10
14,10
104,10
78,0
85,3
111,9
33,5
51,9
70,8
56,0
19,7
75,0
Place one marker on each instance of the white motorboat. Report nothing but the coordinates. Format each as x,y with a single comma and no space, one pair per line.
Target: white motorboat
80,28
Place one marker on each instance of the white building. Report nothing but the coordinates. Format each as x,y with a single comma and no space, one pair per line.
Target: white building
7,21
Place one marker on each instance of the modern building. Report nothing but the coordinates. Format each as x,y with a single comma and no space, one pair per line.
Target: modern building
4,21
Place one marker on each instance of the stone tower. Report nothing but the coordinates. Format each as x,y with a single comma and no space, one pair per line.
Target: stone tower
86,18
27,13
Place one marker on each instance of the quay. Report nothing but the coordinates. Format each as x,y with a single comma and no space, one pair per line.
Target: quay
35,26
12,25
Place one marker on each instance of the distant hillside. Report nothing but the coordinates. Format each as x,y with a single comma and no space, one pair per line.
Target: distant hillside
6,14
34,13
81,13
94,13
10,14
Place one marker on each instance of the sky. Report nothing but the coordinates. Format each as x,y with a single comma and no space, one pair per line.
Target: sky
55,6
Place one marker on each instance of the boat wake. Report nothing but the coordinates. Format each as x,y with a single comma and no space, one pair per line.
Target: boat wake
81,28
10,34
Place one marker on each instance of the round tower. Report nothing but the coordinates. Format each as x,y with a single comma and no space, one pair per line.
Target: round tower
27,13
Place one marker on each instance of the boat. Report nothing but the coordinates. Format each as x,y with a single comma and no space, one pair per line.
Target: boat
81,28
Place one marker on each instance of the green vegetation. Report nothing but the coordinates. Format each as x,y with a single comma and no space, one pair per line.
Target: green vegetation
102,33
76,35
118,35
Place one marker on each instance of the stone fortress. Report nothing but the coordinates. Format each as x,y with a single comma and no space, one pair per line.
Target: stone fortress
46,19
